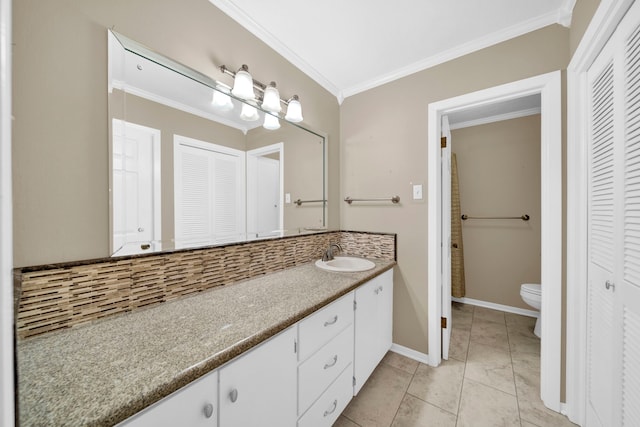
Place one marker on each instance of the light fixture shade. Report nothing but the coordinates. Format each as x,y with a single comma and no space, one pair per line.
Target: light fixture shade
271,122
294,110
243,84
249,113
271,100
221,100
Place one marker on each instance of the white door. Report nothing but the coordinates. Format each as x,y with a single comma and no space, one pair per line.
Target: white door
135,188
446,235
265,188
613,297
269,199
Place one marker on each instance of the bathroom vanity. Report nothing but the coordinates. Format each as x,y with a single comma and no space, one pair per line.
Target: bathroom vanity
287,348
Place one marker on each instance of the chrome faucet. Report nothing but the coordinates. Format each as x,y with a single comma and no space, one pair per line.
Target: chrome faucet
328,255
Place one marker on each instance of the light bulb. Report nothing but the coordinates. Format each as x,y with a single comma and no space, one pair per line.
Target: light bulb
243,84
221,99
294,110
271,122
249,113
271,101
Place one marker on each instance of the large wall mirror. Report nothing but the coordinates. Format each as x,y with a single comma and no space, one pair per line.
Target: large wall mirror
188,170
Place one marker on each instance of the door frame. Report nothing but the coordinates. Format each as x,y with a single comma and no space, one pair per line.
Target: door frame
602,25
549,87
252,190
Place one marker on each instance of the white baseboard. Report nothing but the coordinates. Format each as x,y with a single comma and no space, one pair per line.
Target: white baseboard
499,307
410,353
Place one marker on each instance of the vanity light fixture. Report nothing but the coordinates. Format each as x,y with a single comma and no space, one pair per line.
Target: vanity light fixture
271,122
271,99
249,113
243,87
221,99
294,110
243,84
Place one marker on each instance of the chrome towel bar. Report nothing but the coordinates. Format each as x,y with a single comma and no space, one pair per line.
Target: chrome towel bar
300,202
394,199
524,217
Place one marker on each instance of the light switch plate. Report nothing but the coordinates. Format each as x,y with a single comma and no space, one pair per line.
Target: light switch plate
287,198
417,191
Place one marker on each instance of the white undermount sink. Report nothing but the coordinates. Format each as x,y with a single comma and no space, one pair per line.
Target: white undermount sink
345,264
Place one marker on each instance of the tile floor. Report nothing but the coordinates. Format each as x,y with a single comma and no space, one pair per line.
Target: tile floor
492,378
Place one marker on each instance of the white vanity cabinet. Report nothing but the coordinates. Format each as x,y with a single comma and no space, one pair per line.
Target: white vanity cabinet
195,405
259,387
325,373
373,326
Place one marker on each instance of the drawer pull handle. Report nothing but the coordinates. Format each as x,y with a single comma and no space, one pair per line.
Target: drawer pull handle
233,395
332,321
208,410
333,363
378,290
333,408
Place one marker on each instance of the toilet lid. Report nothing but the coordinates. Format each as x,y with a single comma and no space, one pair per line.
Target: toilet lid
532,288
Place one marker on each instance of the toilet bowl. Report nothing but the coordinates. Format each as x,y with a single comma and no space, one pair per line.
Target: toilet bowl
532,295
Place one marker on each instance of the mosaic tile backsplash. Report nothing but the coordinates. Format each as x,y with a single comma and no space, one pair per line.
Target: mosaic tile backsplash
62,296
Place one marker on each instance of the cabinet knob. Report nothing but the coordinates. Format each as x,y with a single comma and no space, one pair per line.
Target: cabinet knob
332,363
233,395
378,290
334,405
332,321
208,410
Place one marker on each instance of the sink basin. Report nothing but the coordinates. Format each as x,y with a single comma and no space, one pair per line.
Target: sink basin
346,264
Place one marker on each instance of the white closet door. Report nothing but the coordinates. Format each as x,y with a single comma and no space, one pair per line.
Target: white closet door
613,341
601,241
628,308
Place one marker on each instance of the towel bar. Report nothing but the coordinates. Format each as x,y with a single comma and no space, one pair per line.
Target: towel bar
394,199
524,217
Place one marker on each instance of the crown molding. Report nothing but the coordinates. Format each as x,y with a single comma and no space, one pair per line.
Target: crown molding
457,52
561,16
274,43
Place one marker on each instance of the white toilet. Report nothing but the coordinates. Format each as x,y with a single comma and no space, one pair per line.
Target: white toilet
532,295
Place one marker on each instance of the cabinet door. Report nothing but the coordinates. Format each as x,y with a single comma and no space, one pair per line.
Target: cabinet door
194,405
373,326
259,389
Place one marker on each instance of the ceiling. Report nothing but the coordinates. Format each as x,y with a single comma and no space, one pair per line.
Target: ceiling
349,46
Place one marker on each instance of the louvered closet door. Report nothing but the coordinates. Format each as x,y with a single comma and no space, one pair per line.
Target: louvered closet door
613,342
601,241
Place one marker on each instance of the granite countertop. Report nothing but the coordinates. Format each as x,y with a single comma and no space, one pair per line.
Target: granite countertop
101,373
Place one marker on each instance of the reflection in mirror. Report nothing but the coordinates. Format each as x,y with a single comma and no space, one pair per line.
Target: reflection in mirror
193,166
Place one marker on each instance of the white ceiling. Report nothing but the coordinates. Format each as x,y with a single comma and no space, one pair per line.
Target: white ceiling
349,46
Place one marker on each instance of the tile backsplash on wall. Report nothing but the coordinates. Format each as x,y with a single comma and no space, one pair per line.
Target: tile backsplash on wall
61,296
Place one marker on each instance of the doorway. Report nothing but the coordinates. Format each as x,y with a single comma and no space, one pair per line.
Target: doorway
548,86
265,191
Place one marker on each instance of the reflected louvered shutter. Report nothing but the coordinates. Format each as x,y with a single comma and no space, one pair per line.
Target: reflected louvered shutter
193,195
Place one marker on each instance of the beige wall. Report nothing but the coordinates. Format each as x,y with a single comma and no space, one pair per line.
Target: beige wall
384,149
499,175
60,156
582,13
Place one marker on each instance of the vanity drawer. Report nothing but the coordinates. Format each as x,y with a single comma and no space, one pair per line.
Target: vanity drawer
330,405
317,329
321,369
